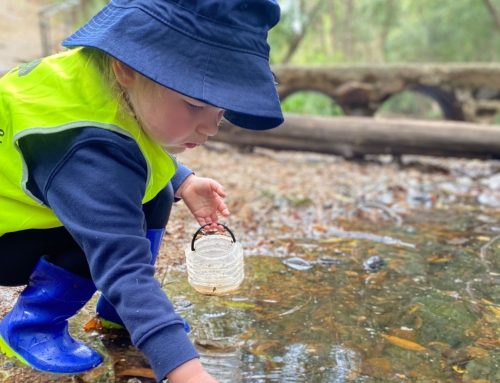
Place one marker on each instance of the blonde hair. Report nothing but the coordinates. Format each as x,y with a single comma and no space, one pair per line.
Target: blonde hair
103,63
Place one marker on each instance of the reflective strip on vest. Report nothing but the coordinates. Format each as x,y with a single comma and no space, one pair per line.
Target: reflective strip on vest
57,93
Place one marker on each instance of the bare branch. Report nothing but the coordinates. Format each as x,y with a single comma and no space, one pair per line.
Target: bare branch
494,13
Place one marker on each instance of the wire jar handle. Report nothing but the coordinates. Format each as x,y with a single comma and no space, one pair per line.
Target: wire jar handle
208,224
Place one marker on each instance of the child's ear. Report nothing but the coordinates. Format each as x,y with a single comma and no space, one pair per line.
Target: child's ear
125,75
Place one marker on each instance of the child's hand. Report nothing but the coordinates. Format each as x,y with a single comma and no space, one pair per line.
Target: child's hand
190,372
204,198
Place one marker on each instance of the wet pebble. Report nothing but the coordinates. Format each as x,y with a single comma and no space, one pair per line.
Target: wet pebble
297,263
374,263
492,182
182,304
489,198
8,365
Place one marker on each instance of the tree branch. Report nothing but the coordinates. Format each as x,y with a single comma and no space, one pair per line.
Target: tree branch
297,38
494,13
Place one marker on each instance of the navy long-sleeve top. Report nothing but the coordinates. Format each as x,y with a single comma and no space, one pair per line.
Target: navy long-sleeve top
94,181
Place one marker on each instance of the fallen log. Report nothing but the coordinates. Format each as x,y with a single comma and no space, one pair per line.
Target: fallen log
356,136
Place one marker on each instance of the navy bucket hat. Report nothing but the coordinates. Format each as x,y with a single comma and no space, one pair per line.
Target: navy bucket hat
213,51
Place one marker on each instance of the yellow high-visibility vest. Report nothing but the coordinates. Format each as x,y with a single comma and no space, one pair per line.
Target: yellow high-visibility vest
51,95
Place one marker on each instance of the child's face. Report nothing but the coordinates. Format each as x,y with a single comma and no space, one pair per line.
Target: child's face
173,120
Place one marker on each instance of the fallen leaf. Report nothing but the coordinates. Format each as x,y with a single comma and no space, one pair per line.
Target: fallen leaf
239,305
458,369
319,227
418,322
457,241
476,352
139,372
377,367
439,259
92,324
414,308
403,343
488,343
440,346
483,238
350,273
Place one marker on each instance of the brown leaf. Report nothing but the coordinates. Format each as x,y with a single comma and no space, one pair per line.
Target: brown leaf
418,322
488,343
377,367
476,352
403,343
93,324
439,259
139,372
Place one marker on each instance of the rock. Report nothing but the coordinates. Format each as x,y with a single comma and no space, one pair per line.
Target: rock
297,263
374,263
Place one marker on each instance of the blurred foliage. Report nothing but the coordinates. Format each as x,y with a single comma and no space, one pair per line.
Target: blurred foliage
311,103
378,31
322,32
411,104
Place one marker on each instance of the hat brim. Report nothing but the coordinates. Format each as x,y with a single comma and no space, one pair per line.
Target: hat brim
239,82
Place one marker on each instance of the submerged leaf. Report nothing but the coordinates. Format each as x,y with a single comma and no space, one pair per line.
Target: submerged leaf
439,259
476,352
139,372
239,304
215,345
403,343
458,369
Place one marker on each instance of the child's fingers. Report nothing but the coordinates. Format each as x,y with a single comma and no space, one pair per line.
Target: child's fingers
224,210
217,187
222,207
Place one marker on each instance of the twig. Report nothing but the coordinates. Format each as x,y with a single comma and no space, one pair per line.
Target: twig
294,309
484,252
390,213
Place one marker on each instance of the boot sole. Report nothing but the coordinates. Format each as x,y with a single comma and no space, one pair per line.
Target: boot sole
9,352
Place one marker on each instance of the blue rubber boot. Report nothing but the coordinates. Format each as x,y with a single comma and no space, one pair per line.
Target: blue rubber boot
35,331
106,312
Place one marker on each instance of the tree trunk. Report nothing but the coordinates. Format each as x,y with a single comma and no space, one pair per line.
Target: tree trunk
494,13
297,38
332,10
348,30
356,136
390,13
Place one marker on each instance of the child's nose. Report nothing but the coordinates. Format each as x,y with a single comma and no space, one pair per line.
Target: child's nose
212,127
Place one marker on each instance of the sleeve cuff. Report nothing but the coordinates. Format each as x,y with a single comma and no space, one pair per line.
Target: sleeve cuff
167,349
179,177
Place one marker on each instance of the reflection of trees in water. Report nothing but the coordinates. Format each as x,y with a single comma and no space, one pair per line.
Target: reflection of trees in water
294,363
216,336
299,364
347,365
